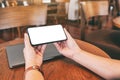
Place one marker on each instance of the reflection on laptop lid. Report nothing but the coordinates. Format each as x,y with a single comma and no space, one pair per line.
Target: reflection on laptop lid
16,58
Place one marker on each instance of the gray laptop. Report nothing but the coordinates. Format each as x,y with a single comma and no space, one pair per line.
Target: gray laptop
16,58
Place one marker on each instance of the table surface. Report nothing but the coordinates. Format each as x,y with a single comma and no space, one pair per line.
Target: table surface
59,69
116,22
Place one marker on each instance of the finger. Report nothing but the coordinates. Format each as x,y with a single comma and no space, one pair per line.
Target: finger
67,33
35,47
64,44
43,47
39,47
57,45
39,53
26,40
69,37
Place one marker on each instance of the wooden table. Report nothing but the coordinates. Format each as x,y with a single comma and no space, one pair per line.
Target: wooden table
116,22
59,69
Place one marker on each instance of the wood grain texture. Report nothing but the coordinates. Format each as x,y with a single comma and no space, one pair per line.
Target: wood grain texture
95,8
116,22
19,16
59,69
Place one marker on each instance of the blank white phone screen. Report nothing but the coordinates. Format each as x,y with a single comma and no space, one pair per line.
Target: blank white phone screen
46,34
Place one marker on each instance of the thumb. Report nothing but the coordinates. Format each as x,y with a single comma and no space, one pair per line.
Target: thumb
26,40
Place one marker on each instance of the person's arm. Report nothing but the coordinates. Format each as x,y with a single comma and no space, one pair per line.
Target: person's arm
33,57
106,68
34,75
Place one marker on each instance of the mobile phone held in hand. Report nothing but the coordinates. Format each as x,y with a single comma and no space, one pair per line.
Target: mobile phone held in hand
46,34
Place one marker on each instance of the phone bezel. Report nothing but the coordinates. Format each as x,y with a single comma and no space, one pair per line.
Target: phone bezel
46,42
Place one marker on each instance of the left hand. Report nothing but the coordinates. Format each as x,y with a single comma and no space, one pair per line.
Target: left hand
32,55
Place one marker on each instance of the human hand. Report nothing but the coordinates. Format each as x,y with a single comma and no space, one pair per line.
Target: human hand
69,47
32,55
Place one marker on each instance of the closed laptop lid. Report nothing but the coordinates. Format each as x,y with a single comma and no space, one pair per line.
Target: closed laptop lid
16,57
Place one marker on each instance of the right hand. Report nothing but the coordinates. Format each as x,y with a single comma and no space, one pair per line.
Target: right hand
69,47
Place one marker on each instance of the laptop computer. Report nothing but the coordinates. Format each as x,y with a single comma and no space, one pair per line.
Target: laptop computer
15,54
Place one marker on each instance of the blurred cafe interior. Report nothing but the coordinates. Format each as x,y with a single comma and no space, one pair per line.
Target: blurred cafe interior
96,22
93,21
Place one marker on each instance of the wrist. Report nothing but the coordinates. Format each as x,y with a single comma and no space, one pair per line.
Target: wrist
35,68
76,54
31,64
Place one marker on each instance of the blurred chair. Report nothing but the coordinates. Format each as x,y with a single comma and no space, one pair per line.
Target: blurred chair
116,23
90,10
117,5
36,2
2,5
57,11
112,4
52,13
61,12
11,3
22,16
7,34
103,38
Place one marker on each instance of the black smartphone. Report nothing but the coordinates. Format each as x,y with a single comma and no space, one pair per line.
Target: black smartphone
46,34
